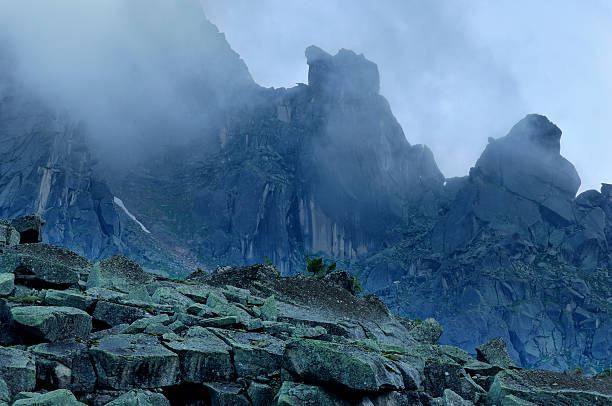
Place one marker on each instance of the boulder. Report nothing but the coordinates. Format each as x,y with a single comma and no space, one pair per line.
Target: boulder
55,254
126,361
70,298
260,394
113,314
298,394
59,397
64,365
495,353
9,236
7,284
548,388
256,354
37,272
18,370
29,228
342,365
140,398
450,398
226,394
118,273
52,323
203,356
427,332
269,312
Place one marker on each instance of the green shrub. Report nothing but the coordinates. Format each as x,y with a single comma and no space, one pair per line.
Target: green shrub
318,268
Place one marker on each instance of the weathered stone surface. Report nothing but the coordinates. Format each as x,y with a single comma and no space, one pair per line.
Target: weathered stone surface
126,361
52,323
226,394
428,332
450,398
140,398
65,365
141,325
204,357
269,312
29,228
17,369
495,353
256,354
113,314
297,394
59,397
260,394
546,387
343,365
9,236
70,298
38,272
118,273
7,284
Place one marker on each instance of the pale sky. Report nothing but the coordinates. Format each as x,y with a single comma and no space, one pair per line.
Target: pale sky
454,72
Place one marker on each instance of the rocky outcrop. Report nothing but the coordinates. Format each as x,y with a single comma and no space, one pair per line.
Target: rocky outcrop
290,341
514,253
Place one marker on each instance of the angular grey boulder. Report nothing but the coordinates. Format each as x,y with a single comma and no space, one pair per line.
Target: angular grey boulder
59,397
29,228
7,284
113,314
36,271
140,398
347,366
126,361
495,352
70,298
222,394
52,323
298,394
18,370
203,357
65,365
548,388
118,273
9,236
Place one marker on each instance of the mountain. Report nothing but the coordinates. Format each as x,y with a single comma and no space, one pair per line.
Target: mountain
513,253
224,171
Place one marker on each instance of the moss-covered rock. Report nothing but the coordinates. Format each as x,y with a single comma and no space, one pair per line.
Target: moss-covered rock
341,365
17,369
126,361
52,323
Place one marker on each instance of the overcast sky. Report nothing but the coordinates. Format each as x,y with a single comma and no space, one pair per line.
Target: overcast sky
454,72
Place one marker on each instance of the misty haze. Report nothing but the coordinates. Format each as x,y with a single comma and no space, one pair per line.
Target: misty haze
286,203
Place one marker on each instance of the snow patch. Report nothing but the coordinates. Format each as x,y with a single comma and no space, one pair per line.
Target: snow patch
119,203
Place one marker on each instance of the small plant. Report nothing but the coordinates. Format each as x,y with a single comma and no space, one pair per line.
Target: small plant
268,263
417,322
318,268
607,372
578,371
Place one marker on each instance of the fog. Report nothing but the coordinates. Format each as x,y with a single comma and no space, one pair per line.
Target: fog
455,72
133,72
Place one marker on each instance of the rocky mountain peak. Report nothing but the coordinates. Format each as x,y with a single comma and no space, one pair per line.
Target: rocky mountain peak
527,162
344,74
539,131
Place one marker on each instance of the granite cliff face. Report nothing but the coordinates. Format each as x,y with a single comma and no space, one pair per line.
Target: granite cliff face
324,169
282,172
513,253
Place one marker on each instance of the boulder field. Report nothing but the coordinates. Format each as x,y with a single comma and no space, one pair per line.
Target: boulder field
73,332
